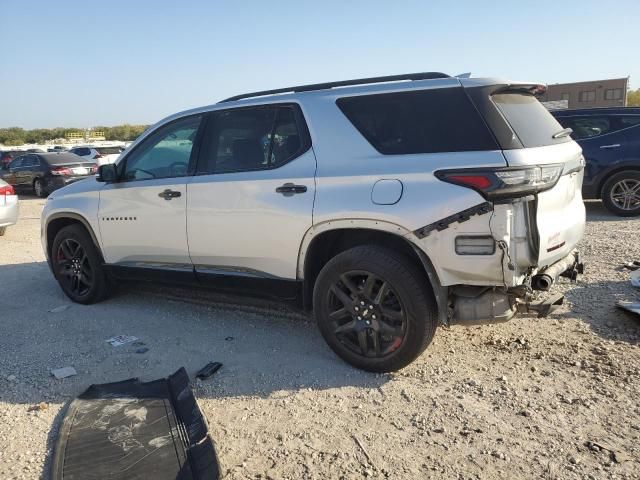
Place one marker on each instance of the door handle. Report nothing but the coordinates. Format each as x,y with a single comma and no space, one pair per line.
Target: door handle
169,194
613,145
289,189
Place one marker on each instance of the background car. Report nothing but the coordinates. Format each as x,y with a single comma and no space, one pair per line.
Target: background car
101,155
7,155
610,141
43,173
8,206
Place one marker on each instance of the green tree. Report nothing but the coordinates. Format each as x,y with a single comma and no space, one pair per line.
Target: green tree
633,98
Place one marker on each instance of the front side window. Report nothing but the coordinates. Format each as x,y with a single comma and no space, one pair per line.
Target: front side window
165,153
17,163
254,138
630,121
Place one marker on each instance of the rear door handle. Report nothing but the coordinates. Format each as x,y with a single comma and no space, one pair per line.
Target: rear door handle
289,189
169,194
613,145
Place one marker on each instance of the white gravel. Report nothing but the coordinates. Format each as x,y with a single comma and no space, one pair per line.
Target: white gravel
549,398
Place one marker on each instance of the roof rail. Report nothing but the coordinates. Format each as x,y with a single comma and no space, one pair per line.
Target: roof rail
343,83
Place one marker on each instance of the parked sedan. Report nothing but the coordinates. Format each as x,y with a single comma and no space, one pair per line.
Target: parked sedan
610,141
101,155
43,173
8,206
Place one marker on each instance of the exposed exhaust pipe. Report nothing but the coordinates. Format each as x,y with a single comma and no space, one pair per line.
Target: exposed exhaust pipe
569,266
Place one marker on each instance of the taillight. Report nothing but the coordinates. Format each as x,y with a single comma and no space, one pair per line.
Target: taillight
93,169
97,156
60,171
7,190
497,183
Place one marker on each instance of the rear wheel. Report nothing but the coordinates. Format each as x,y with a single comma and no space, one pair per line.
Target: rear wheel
374,308
621,194
38,188
77,266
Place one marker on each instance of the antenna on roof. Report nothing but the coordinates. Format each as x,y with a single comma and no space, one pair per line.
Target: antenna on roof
464,75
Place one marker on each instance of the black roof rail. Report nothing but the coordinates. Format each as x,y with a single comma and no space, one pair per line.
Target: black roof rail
343,83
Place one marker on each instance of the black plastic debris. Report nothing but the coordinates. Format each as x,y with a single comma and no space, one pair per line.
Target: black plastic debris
208,370
134,430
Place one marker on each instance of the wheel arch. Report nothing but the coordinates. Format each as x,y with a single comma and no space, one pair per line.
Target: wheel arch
58,221
615,171
325,241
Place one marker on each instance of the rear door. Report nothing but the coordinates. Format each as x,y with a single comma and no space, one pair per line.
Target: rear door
142,217
252,200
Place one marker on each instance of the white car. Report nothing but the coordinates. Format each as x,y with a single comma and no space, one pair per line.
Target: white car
8,206
100,155
386,205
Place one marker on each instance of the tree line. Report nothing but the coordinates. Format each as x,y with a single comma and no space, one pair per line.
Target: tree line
15,136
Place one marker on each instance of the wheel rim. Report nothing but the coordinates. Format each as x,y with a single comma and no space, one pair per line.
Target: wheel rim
366,315
73,267
625,194
38,187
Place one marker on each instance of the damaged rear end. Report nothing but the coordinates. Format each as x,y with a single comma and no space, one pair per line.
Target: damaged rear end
521,237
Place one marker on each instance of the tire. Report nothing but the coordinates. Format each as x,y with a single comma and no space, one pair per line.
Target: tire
38,188
613,194
83,280
3,230
390,343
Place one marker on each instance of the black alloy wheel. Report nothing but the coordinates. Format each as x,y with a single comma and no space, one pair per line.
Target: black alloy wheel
367,315
73,267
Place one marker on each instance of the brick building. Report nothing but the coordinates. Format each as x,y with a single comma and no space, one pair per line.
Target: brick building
594,93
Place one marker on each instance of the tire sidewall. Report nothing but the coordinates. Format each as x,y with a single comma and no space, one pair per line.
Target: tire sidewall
606,193
79,235
42,193
411,292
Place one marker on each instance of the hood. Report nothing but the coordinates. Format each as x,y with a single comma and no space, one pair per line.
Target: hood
81,186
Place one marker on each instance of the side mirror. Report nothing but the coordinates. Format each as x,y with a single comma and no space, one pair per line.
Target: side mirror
107,173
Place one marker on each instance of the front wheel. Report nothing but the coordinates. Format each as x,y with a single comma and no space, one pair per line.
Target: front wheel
374,308
621,194
77,266
3,230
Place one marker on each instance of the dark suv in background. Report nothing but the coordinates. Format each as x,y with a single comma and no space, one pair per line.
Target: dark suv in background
610,141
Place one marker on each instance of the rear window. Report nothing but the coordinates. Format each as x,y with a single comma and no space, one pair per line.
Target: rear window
425,121
62,158
529,119
109,150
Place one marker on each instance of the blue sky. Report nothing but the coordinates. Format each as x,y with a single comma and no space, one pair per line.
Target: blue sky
79,63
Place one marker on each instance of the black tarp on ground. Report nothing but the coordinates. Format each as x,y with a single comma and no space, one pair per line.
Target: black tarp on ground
134,430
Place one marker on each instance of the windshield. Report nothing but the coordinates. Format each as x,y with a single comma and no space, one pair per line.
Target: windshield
529,119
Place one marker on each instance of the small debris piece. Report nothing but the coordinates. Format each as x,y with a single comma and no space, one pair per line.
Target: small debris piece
228,339
11,378
138,344
59,309
208,370
39,407
119,340
620,457
635,265
142,350
63,372
364,450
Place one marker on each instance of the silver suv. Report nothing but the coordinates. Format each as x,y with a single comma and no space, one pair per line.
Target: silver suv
386,205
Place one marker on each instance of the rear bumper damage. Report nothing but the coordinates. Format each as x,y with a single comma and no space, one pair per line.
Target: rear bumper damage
472,305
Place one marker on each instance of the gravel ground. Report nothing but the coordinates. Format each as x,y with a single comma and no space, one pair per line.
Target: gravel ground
552,398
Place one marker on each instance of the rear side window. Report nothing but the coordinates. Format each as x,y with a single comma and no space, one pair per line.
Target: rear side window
586,127
630,121
529,119
425,121
108,150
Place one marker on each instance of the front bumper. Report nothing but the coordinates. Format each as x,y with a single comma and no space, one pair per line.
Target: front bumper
9,210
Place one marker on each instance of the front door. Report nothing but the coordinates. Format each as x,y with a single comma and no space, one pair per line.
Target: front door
142,217
252,200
